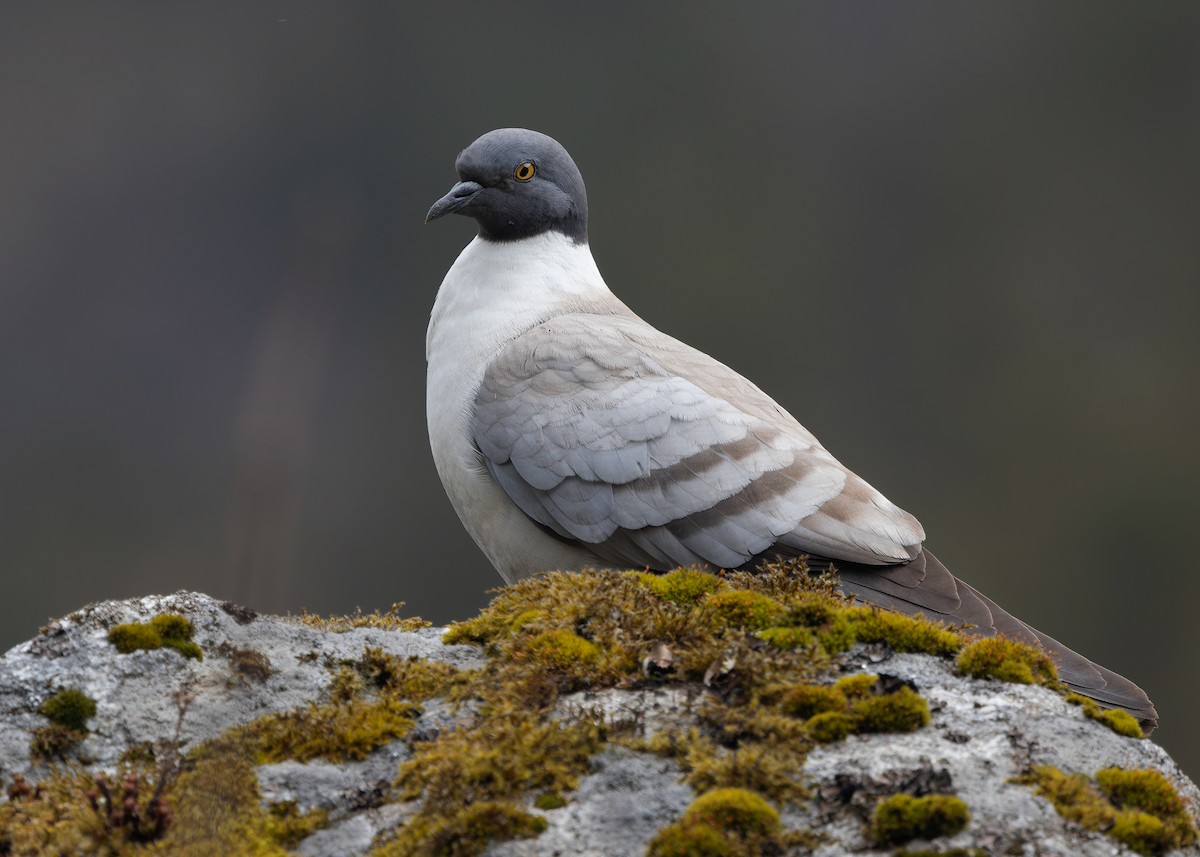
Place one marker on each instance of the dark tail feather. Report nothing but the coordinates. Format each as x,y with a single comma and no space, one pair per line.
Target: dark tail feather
925,586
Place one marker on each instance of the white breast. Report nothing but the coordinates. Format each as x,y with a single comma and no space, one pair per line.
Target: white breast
494,292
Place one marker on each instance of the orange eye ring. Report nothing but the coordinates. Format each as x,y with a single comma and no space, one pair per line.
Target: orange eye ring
524,171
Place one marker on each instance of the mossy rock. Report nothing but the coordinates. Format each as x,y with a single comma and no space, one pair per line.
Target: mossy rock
70,708
903,817
727,822
1138,808
168,630
1007,660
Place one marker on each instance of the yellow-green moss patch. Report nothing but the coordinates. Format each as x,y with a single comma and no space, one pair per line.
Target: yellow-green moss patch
288,826
831,726
70,707
550,800
684,587
744,608
334,732
1139,808
1007,660
469,778
168,630
856,704
68,711
734,809
464,834
903,633
902,817
721,823
1119,721
807,700
392,620
751,747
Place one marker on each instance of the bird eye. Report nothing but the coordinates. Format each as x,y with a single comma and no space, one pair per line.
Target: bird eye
524,171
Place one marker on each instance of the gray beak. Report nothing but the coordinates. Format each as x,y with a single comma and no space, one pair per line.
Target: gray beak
460,195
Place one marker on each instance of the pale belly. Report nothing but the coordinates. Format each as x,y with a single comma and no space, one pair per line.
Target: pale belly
513,543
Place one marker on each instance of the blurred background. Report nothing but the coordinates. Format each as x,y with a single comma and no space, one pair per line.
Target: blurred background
958,241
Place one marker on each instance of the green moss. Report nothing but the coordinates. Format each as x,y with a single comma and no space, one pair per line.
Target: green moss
722,823
166,629
69,711
1142,789
550,800
1121,722
217,809
334,732
1072,795
70,707
789,639
751,747
838,634
134,636
744,608
854,705
412,678
903,633
392,620
831,726
508,755
1139,808
562,650
900,711
807,700
286,825
696,840
1148,791
902,817
1006,660
1140,831
856,686
172,626
464,834
734,809
685,587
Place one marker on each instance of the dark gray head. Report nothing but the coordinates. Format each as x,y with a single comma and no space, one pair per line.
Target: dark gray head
517,183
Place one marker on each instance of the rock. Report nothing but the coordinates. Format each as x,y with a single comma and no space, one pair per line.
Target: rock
611,797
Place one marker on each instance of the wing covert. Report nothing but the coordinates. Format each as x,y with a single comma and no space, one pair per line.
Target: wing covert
651,453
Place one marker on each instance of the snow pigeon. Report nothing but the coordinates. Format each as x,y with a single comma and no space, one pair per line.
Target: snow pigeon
570,434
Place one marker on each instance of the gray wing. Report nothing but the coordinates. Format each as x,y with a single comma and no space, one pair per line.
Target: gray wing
651,453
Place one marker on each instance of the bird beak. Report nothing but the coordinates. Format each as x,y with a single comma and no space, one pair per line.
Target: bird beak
460,195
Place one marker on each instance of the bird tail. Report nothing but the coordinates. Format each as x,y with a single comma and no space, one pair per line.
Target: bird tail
924,586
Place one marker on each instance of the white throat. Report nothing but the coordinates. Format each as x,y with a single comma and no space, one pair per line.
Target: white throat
496,291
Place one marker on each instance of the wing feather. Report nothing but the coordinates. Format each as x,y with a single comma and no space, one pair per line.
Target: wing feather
652,453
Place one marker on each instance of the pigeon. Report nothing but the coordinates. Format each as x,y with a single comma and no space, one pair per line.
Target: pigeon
570,434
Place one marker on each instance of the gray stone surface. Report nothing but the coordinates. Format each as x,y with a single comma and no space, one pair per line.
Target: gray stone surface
627,798
982,733
159,695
